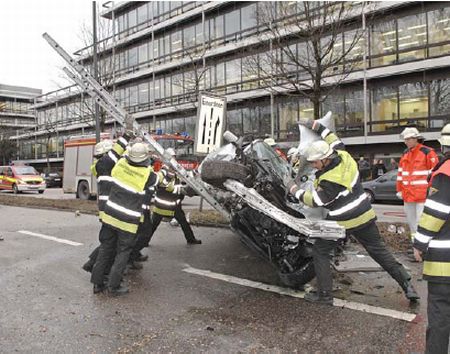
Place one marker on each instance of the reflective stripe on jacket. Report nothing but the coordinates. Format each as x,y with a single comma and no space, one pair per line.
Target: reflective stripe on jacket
433,233
413,170
123,209
338,188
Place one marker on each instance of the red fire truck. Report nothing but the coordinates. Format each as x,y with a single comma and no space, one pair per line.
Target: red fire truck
78,158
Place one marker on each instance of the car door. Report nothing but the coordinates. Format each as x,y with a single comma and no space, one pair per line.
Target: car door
386,186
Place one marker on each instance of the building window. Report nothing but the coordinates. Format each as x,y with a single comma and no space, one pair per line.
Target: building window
306,109
142,14
354,112
143,53
383,43
439,31
234,122
248,14
233,72
132,57
412,34
335,103
232,22
384,110
132,18
439,102
189,36
288,116
143,93
413,104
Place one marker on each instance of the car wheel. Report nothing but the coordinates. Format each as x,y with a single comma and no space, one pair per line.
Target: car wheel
217,172
15,189
300,277
40,192
370,195
83,191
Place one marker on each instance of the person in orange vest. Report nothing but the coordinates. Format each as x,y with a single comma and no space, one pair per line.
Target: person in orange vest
432,243
414,168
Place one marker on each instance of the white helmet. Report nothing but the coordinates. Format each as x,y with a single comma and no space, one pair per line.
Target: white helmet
445,136
103,147
270,141
410,133
138,152
318,150
292,152
171,152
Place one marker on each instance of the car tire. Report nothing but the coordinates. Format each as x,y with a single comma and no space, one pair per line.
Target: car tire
217,172
40,192
300,277
15,189
83,191
370,195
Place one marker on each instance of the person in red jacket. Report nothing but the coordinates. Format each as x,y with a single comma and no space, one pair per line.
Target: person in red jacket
412,179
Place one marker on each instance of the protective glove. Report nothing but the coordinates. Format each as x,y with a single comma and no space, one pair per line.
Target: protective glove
292,187
399,195
309,123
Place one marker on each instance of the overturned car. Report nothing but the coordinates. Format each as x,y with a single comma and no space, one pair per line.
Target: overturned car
248,178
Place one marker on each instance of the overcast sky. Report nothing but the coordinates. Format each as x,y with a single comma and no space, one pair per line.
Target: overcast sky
26,59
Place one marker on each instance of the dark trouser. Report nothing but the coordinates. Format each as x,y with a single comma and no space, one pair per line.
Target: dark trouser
144,235
370,238
179,216
105,255
125,243
438,329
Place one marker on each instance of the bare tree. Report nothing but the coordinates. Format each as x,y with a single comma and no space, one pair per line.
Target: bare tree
307,48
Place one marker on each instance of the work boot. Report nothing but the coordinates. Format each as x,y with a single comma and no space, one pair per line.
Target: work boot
141,258
119,291
410,292
88,266
135,265
195,241
99,288
320,297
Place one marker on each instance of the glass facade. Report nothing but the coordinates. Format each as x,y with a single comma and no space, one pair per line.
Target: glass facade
417,33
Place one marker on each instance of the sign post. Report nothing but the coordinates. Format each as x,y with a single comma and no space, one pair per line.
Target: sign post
210,123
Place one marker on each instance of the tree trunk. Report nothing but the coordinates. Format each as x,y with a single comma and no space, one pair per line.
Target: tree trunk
316,106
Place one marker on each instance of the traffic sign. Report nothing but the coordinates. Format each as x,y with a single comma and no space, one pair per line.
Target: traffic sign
210,123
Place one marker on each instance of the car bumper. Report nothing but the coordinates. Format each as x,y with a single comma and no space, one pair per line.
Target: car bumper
31,187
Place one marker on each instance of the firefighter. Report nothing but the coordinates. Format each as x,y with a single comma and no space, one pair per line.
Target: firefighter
106,154
123,213
168,198
432,243
338,188
292,156
414,168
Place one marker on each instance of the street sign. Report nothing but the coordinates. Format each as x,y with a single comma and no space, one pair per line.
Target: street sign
210,123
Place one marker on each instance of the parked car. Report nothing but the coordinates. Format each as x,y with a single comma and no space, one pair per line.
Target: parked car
19,178
382,188
53,179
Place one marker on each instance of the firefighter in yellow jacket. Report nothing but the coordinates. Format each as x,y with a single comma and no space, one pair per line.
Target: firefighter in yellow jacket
338,189
168,199
106,154
130,178
432,243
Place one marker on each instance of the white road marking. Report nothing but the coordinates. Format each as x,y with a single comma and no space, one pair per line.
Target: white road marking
404,316
51,238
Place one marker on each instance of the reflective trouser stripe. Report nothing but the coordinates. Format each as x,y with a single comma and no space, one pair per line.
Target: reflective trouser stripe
163,212
124,226
360,220
436,269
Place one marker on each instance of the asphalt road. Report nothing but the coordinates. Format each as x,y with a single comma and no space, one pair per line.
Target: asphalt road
47,304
